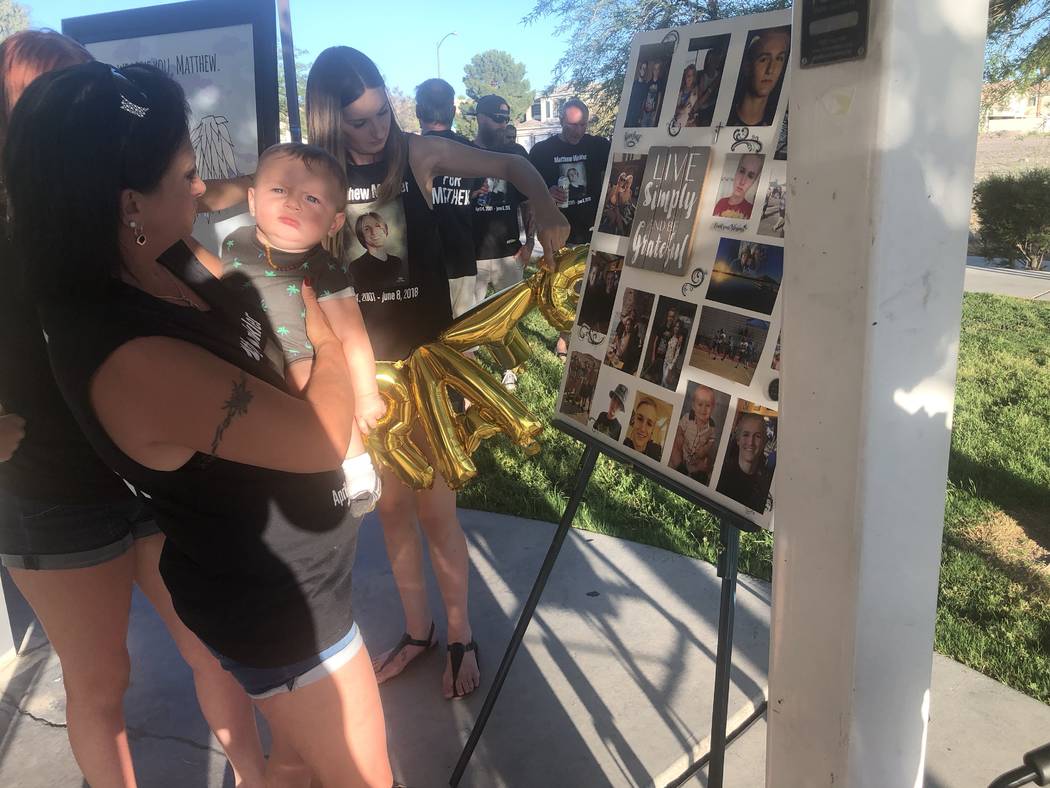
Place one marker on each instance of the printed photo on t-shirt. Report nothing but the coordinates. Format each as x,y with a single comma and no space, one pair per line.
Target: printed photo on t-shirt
573,180
492,193
621,198
739,185
701,78
376,246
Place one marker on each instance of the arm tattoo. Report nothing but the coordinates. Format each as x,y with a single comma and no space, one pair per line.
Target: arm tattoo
236,405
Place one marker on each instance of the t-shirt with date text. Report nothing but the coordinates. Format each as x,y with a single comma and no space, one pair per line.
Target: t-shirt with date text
392,253
583,167
497,231
455,214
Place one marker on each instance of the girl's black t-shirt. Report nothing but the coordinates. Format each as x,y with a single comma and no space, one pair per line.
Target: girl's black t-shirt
393,255
257,561
54,462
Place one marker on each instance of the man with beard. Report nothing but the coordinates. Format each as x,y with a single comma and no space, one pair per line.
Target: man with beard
499,251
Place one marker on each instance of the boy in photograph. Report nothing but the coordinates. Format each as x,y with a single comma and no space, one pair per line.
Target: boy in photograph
658,343
761,77
696,439
744,476
607,423
735,205
376,269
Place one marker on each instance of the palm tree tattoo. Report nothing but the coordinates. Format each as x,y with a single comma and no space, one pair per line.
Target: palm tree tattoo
236,405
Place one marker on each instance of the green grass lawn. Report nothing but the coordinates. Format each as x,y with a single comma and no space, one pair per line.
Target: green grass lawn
994,607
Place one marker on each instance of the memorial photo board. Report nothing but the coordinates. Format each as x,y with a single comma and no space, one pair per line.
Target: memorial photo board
674,360
224,55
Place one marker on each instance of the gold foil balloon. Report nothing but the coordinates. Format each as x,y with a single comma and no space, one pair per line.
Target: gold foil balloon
417,390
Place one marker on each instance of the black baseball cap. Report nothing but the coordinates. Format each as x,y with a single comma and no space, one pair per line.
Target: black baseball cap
494,106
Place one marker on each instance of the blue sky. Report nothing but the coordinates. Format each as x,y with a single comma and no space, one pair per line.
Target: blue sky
402,43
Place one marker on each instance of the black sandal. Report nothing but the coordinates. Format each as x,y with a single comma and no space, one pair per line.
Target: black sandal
406,641
457,650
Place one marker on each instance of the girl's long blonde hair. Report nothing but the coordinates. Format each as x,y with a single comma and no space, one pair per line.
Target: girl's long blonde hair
339,77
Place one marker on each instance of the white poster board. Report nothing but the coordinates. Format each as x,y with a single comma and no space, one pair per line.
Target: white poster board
212,50
680,313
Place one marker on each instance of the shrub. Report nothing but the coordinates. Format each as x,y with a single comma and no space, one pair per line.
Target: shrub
1014,212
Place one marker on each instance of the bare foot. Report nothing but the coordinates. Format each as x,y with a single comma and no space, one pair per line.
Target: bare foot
469,676
400,657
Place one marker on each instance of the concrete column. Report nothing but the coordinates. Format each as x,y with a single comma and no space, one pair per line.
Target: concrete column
880,170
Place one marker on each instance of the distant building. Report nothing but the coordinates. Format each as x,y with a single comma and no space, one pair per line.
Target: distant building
1025,110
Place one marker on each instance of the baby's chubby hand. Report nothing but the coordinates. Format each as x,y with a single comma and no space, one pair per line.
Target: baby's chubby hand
368,410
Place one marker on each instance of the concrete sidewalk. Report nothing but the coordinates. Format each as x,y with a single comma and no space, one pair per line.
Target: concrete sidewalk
612,686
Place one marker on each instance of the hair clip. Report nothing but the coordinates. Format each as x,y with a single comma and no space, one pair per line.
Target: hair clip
133,108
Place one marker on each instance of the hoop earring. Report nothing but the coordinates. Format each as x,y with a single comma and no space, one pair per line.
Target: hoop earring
140,237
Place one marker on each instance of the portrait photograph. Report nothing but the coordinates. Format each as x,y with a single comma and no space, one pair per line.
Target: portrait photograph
738,188
750,459
668,342
627,330
761,77
746,274
375,246
728,344
621,198
648,425
699,432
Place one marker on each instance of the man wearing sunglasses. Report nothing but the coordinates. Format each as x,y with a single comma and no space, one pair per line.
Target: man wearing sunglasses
500,213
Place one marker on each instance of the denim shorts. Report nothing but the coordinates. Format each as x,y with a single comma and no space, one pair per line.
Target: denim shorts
46,535
261,683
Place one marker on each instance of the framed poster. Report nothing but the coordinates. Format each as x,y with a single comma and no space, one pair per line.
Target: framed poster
674,359
224,54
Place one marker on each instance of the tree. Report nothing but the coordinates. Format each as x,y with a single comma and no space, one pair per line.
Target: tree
13,17
302,71
601,32
1014,214
1018,48
493,71
404,107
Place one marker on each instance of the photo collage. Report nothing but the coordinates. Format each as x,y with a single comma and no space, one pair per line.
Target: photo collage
675,356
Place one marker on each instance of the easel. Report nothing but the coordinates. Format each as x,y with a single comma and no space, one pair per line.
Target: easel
729,554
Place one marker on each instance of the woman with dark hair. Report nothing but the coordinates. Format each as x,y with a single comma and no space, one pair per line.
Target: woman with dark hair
72,535
349,115
178,389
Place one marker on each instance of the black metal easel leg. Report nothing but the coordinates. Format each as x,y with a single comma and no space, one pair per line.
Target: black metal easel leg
583,476
729,538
